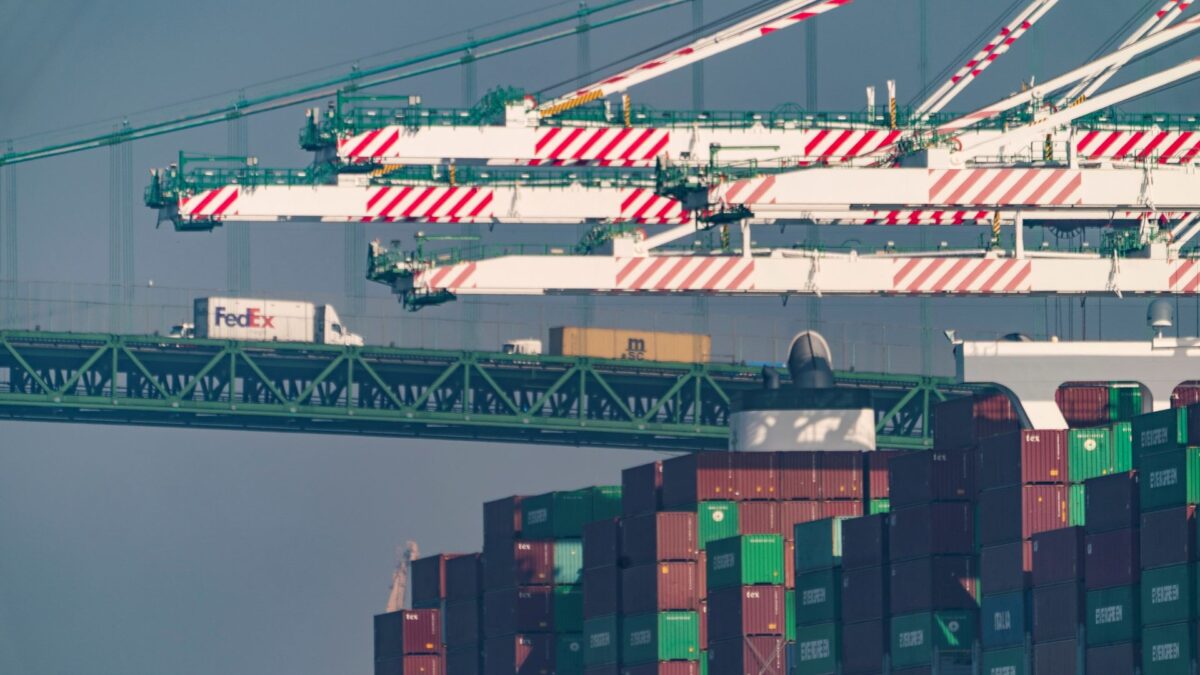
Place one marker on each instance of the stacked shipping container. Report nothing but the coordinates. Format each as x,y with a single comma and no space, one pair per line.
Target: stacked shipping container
409,642
817,609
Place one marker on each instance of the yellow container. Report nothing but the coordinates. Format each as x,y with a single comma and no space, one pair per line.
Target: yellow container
636,345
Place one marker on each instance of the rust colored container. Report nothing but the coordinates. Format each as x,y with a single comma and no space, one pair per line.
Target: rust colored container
660,587
1185,395
502,519
865,541
601,591
746,610
960,422
1059,556
1122,658
841,475
641,489
1023,458
1021,511
1057,612
865,594
412,631
464,578
1168,537
841,509
519,563
759,518
1083,405
1112,503
799,475
794,512
702,615
663,668
937,582
747,656
429,580
1112,559
1061,656
602,543
931,529
698,477
877,472
464,623
529,609
519,655
789,569
939,475
465,660
652,537
864,647
755,475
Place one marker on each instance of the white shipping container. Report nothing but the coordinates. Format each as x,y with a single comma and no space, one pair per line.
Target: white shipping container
255,319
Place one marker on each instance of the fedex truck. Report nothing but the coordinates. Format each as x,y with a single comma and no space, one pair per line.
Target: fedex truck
256,319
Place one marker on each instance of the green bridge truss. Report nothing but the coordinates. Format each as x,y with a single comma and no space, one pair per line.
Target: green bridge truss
382,391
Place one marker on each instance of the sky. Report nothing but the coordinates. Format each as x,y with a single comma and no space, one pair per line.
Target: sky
131,550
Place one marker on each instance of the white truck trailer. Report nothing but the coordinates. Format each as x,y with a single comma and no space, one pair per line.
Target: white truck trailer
261,320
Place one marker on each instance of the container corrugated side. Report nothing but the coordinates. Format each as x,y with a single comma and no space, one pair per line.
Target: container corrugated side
1112,615
1057,611
914,637
931,529
601,640
939,475
526,609
864,646
606,501
568,654
464,577
739,611
568,609
755,475
759,655
758,518
745,561
1170,478
415,631
429,580
641,489
664,636
864,541
1059,555
1008,661
865,594
668,535
841,475
1112,559
1168,537
1168,650
602,543
715,520
1007,567
556,514
533,653
1084,405
1020,511
568,561
1160,431
659,587
799,475
601,591
1058,656
819,596
1168,595
502,519
1023,458
877,473
792,513
698,477
1113,502
1003,619
937,582
1117,659
817,649
818,544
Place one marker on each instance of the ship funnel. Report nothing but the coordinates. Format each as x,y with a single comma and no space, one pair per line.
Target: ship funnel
810,362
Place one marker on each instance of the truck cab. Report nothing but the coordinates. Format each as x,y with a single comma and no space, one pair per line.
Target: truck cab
185,331
332,331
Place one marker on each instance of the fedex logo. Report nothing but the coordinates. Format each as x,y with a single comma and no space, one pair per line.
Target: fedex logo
253,318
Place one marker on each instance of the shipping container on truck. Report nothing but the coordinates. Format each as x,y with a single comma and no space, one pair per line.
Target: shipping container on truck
630,344
263,320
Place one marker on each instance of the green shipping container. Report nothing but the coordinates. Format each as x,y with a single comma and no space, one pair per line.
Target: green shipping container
665,636
568,561
818,648
878,506
556,514
606,502
1004,619
745,561
789,599
1168,595
1124,401
1167,650
1112,615
703,663
1077,507
568,654
1009,661
819,596
1157,432
1169,479
568,609
914,636
1092,453
818,544
601,640
715,520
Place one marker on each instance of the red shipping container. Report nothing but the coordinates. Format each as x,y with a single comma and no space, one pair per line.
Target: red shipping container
960,422
464,623
465,660
792,513
1168,537
502,519
1083,405
1058,556
877,472
1185,395
1119,659
789,564
841,475
739,611
703,616
464,578
1112,503
755,475
1057,612
518,563
747,656
419,664
937,582
697,477
412,631
702,570
1006,567
864,594
601,591
429,579
663,668
1060,656
1022,458
602,543
865,542
864,645
1112,559
799,475
641,489
529,609
519,655
759,518
940,475
1018,512
653,537
931,529
841,509
660,587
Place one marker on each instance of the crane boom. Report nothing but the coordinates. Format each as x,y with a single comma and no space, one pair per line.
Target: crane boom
404,559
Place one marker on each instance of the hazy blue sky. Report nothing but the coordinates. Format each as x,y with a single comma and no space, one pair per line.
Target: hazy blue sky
197,552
